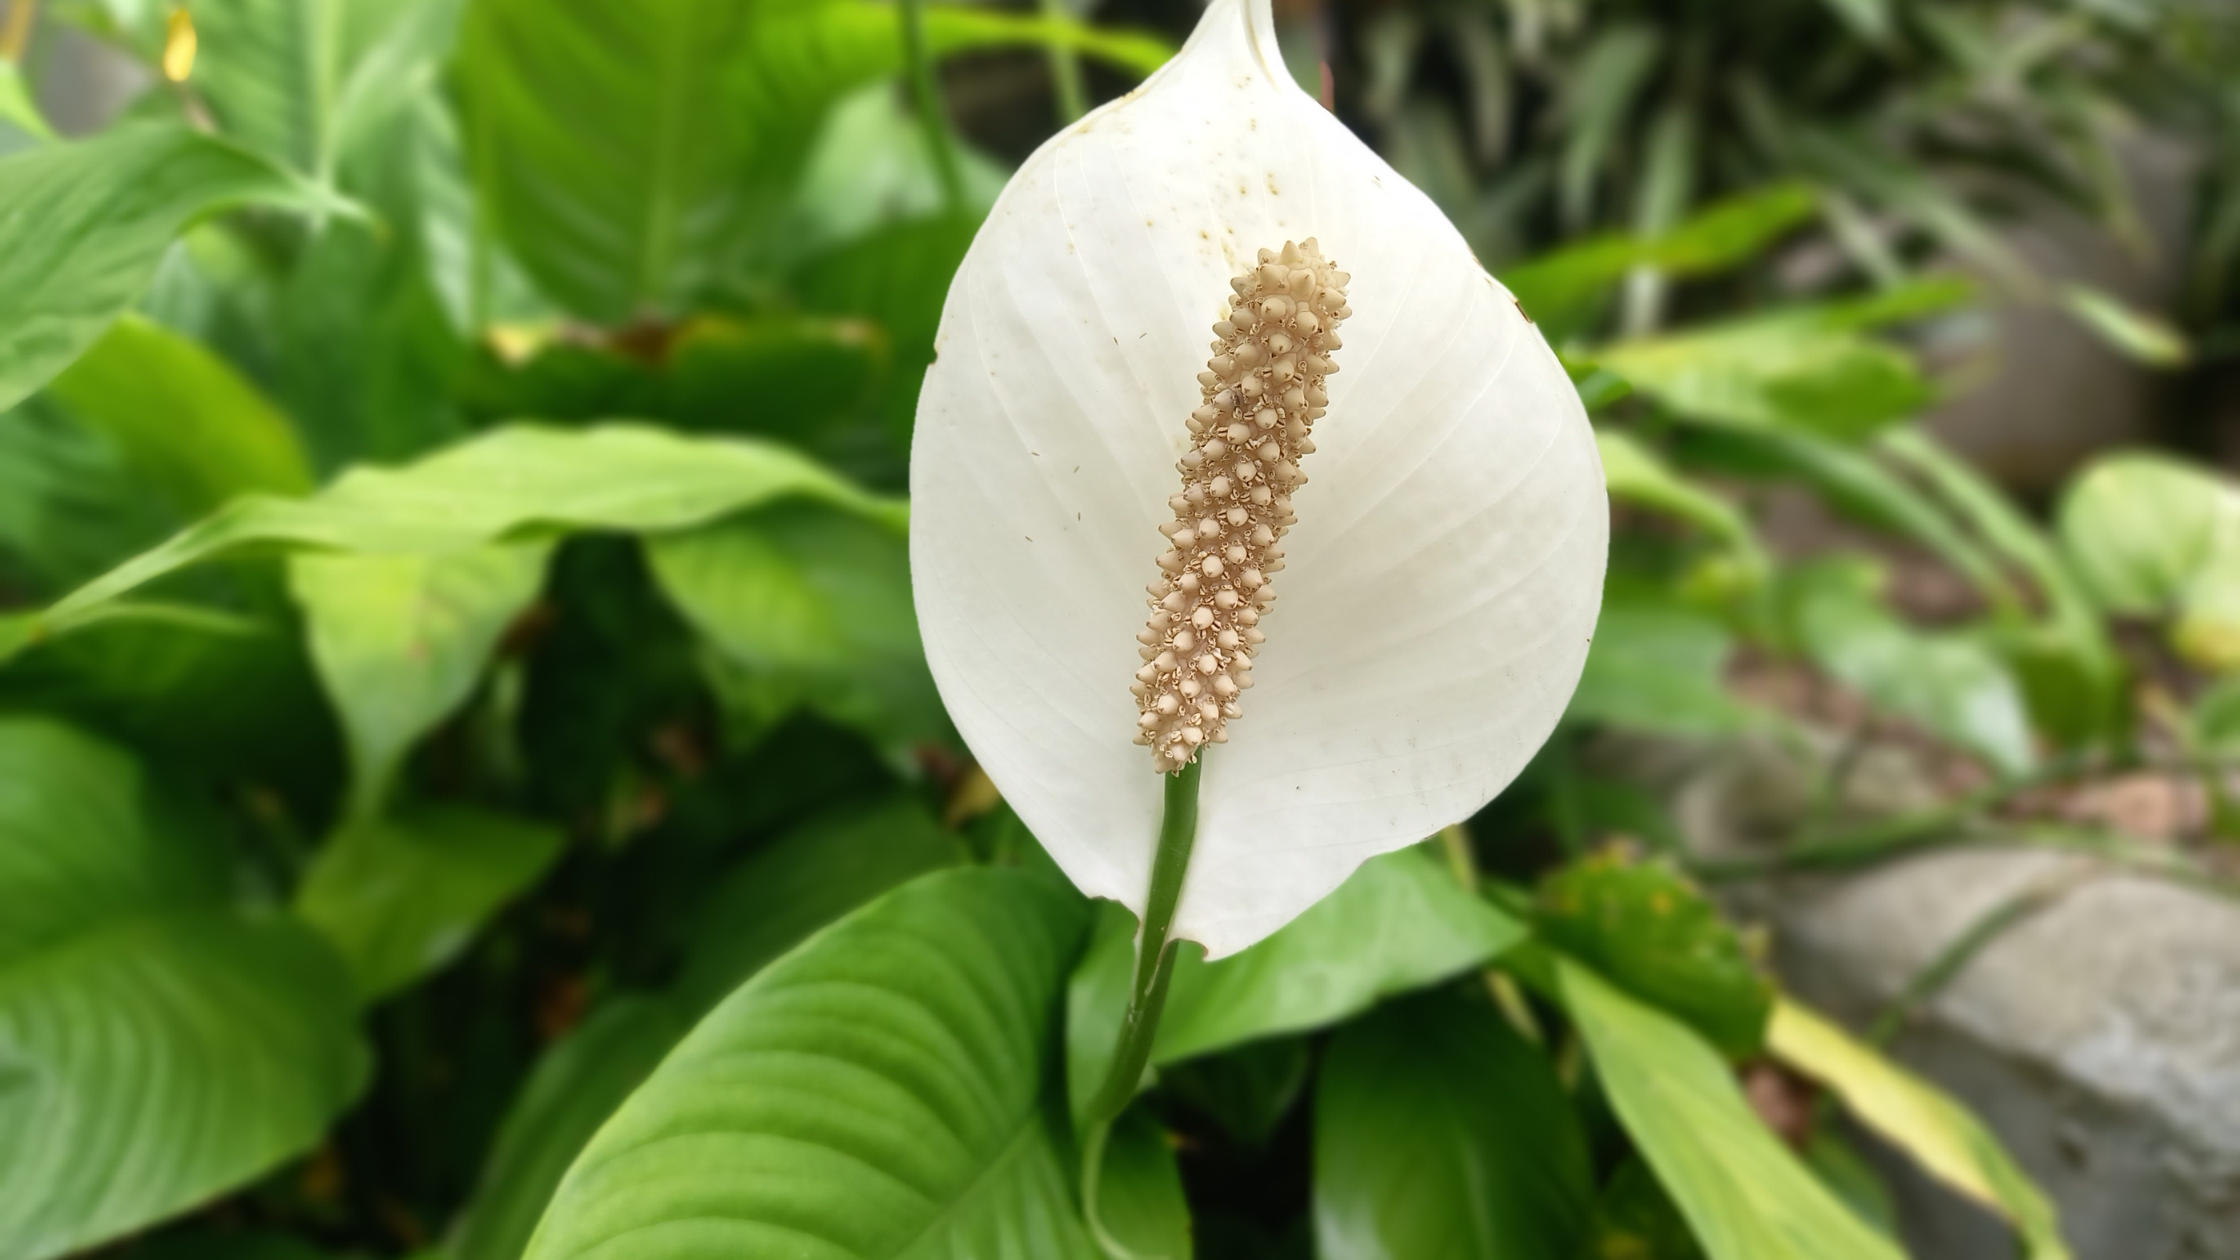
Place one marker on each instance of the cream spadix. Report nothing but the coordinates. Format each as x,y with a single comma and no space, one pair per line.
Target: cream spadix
1440,579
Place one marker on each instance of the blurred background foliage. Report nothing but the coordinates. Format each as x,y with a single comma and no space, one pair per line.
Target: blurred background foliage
456,626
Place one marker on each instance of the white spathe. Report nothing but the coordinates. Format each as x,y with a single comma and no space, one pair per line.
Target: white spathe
1441,584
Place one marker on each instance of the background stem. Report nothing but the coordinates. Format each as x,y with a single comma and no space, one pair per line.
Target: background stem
1147,995
1065,70
939,143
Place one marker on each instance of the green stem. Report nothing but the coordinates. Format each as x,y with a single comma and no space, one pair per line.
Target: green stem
931,116
1065,70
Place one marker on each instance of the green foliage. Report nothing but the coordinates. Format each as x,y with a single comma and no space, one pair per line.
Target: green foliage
2153,536
888,1087
89,221
401,896
149,1020
1400,923
1745,1196
1650,931
1440,1132
1658,665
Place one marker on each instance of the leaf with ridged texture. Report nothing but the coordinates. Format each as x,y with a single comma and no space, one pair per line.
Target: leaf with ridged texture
1401,922
512,484
158,1043
401,895
886,1090
1746,1196
1440,1132
86,224
574,1087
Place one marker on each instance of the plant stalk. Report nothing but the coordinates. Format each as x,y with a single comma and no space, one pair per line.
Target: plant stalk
1147,992
939,143
1065,71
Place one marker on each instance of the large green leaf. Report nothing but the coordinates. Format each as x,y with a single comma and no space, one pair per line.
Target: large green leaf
400,640
71,502
2142,529
1439,1132
1745,1195
402,895
520,481
638,160
1656,935
1920,1119
815,601
571,1091
188,423
885,1090
1139,1195
86,224
1637,476
159,1043
1774,372
1400,923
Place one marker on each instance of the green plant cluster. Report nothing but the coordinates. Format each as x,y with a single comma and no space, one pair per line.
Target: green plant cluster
470,786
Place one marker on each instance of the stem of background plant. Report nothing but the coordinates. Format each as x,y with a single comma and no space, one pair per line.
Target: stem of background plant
1065,70
939,143
1147,990
1500,986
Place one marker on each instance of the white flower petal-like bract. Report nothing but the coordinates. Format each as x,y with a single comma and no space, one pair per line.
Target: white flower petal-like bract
1443,576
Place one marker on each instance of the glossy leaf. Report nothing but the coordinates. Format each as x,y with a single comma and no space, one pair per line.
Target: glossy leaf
71,503
1400,923
513,481
87,223
816,600
17,109
2138,335
2140,528
1919,1119
1139,1197
402,895
1744,1194
162,1043
1654,934
807,878
400,640
576,1084
189,424
1774,372
1440,1132
1637,476
882,1091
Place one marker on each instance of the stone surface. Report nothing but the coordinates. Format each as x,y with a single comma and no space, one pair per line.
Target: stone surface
2098,1035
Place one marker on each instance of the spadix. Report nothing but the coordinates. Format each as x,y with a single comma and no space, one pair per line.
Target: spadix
1440,577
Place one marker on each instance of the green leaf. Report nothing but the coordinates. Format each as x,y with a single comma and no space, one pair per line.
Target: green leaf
188,423
576,1084
2140,336
1744,1194
86,224
1650,931
71,503
885,1090
1952,684
1658,665
809,877
1634,1219
1139,1195
1920,1119
17,109
1400,923
2140,527
639,161
519,481
1775,371
400,641
899,276
159,1043
817,600
1247,1090
1636,475
401,896
1440,1132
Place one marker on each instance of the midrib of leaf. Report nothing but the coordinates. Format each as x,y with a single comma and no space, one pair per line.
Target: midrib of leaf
322,48
1020,1141
668,135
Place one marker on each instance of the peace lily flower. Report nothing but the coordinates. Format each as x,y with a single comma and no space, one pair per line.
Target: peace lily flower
1104,499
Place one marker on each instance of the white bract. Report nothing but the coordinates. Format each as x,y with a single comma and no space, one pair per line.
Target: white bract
1445,549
